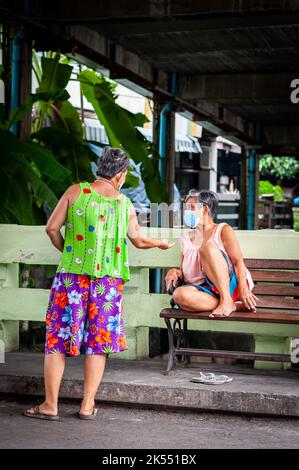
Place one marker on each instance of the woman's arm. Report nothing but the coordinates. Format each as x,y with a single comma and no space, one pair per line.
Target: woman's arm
139,241
232,246
58,218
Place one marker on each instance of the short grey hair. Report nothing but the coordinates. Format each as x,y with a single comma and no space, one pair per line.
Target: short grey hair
206,197
112,162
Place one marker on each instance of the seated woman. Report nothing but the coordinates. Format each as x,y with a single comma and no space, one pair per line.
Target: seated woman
212,270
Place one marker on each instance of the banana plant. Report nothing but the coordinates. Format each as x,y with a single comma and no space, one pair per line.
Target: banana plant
65,134
36,171
28,174
121,128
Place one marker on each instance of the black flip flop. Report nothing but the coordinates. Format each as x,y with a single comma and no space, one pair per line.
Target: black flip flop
91,416
39,415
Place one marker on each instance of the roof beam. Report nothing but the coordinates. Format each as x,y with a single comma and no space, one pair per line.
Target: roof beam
149,26
126,65
238,89
230,12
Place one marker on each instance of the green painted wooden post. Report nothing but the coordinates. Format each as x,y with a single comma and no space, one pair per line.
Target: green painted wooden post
274,345
9,329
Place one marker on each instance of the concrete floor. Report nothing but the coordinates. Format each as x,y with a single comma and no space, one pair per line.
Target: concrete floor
143,383
120,427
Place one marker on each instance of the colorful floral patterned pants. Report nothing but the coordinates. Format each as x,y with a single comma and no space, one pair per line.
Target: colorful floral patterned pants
85,312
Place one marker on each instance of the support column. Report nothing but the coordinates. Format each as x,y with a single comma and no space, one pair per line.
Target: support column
157,107
213,166
243,190
16,74
257,178
251,189
170,162
25,85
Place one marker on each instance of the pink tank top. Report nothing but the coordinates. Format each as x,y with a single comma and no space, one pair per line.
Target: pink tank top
192,268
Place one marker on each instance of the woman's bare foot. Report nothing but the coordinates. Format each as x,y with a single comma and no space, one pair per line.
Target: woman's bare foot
224,308
45,408
87,407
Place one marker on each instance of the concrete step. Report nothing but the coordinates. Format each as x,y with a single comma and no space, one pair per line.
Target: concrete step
143,383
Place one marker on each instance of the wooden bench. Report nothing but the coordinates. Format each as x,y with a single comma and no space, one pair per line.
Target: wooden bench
274,324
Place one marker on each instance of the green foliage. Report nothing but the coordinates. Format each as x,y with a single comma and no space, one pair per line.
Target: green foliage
280,167
37,171
54,79
120,125
265,187
25,169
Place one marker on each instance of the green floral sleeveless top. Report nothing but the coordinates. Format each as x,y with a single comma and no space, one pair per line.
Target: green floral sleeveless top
95,235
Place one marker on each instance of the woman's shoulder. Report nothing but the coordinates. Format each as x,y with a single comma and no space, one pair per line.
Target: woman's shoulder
224,230
126,198
223,227
72,193
127,202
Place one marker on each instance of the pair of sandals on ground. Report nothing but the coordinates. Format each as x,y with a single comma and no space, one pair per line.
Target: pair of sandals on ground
40,415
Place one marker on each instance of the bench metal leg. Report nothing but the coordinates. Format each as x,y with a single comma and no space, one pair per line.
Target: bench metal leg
175,332
170,365
186,342
178,334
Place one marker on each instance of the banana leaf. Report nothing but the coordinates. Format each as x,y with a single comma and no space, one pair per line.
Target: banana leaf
42,157
21,187
18,113
120,125
55,77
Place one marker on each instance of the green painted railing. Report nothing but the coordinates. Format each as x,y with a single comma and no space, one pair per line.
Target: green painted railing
30,244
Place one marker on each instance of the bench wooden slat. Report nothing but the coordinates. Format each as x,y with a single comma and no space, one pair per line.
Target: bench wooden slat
278,290
232,354
254,263
275,276
277,302
261,315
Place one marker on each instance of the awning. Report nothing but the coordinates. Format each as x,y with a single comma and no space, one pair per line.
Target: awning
183,143
96,134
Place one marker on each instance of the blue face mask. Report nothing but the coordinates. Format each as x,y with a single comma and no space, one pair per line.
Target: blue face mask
190,218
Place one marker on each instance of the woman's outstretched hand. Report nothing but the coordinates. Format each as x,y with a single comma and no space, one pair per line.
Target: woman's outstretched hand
165,245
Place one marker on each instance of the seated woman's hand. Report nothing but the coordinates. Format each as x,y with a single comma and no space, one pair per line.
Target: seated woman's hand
171,278
247,298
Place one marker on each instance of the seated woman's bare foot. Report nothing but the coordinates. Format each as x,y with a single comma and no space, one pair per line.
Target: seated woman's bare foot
224,308
241,307
45,408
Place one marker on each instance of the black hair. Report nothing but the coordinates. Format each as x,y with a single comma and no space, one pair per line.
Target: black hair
112,162
206,197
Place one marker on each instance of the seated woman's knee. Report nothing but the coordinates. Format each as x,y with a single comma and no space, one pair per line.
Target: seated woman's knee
179,294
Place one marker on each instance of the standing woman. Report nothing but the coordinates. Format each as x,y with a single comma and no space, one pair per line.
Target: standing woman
85,307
